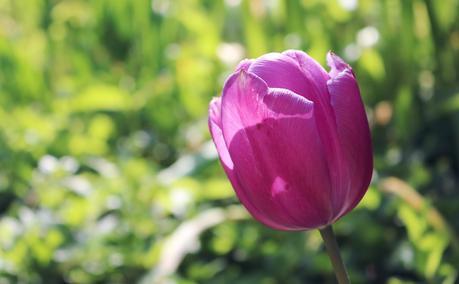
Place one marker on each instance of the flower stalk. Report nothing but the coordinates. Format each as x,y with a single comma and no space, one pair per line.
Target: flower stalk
333,252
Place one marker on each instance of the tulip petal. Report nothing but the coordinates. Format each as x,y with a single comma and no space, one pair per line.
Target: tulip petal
311,69
336,64
326,124
216,132
227,163
244,64
282,71
353,132
285,103
299,73
278,157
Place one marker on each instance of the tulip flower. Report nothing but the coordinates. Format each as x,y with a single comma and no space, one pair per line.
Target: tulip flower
293,139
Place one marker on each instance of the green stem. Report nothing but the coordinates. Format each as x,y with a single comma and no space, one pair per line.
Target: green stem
333,252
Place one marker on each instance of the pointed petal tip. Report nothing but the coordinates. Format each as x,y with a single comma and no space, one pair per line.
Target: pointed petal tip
244,64
215,105
245,78
336,64
214,100
241,78
242,73
334,61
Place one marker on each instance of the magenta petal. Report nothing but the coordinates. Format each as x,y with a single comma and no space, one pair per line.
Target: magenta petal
278,158
293,139
281,71
311,69
284,103
336,64
240,102
244,64
216,132
353,132
227,163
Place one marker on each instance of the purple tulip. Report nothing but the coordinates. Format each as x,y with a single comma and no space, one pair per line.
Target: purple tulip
293,139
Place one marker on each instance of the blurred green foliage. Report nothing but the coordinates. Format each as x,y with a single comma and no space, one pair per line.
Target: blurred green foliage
107,175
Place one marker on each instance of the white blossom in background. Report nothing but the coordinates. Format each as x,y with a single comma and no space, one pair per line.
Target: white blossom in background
48,164
172,51
232,3
349,5
352,52
69,164
103,167
368,36
293,41
427,82
180,199
160,6
107,224
230,53
113,202
79,185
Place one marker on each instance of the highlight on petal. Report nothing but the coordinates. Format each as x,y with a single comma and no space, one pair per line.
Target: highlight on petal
216,132
284,103
240,102
215,111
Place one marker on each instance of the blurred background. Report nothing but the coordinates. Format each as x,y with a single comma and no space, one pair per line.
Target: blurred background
107,174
